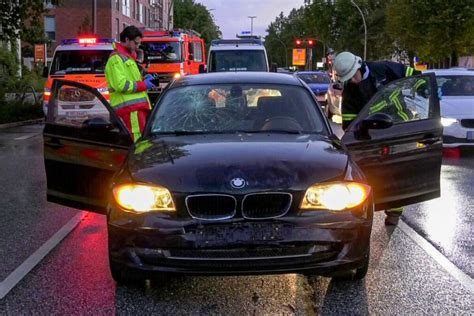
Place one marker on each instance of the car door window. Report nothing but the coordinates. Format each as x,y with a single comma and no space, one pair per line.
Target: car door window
404,100
75,106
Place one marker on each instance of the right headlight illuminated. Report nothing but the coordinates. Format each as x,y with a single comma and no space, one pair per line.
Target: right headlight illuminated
335,196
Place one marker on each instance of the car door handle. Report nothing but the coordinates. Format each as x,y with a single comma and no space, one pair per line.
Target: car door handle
429,140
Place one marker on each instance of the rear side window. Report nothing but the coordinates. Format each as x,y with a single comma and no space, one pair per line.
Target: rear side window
79,62
456,85
238,60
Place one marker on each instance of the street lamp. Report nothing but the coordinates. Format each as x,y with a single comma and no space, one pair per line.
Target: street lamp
251,24
365,28
286,50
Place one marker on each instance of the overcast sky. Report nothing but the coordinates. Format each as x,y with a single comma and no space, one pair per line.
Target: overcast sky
232,16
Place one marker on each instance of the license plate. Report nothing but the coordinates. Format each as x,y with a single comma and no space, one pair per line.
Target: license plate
242,233
76,113
470,135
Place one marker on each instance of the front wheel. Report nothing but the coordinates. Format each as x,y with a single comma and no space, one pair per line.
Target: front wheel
123,275
356,275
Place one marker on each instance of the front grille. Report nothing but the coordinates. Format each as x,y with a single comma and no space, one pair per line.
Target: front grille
467,123
75,95
266,205
211,206
165,76
241,264
77,107
240,253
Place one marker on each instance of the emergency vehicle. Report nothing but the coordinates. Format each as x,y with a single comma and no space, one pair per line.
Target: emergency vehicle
81,60
171,54
246,53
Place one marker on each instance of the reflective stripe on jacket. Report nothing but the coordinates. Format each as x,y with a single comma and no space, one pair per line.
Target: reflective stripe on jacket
355,97
126,87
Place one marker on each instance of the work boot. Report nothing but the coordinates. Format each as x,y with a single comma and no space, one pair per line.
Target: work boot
393,215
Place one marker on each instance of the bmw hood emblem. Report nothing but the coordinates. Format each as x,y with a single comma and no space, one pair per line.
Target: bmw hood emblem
237,183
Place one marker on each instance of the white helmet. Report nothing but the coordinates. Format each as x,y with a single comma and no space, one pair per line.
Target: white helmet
346,65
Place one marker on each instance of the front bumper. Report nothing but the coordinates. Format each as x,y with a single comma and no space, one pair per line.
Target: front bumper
456,135
320,243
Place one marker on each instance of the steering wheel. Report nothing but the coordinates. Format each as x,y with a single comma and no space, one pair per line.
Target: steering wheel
284,123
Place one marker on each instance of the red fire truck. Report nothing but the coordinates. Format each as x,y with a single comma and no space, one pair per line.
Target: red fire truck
170,54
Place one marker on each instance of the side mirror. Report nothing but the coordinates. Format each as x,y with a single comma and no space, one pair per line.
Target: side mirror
377,121
98,124
374,121
273,67
202,68
45,72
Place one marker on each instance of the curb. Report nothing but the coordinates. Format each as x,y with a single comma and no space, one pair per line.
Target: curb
21,123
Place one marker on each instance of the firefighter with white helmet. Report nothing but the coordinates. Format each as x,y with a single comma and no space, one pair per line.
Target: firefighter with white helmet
361,81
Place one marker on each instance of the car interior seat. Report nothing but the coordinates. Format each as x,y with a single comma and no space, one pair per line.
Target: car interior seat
269,108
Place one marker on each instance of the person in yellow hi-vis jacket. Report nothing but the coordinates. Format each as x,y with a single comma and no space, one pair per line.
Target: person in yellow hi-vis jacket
128,90
361,81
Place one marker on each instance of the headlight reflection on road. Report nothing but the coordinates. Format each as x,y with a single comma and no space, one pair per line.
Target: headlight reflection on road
441,215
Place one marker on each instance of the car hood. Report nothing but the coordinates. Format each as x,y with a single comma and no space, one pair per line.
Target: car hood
321,87
209,163
457,107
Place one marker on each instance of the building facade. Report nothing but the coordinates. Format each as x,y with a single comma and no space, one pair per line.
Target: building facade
104,18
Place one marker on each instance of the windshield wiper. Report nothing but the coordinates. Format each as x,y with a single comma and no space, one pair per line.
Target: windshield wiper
273,131
180,133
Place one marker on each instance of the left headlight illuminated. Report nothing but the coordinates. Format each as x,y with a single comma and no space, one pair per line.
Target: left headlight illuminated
335,196
143,198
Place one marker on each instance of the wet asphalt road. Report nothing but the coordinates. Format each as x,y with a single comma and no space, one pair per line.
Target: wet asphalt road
74,277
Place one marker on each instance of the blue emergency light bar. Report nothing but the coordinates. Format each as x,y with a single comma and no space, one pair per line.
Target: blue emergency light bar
87,41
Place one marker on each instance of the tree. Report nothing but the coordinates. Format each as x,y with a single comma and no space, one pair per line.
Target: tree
23,15
433,30
190,15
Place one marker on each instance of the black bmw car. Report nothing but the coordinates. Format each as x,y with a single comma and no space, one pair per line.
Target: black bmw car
240,173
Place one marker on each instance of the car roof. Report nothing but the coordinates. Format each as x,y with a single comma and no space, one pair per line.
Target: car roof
237,47
237,77
450,72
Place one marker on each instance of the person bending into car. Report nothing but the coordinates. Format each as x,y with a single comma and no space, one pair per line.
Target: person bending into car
362,79
128,90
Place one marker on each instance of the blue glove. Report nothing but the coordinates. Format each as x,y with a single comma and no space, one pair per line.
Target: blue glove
149,84
149,77
440,94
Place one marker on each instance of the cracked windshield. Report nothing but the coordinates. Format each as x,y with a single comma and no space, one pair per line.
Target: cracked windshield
237,108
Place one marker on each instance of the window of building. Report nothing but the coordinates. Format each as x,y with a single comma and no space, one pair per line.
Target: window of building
50,27
137,11
117,5
117,24
140,13
126,7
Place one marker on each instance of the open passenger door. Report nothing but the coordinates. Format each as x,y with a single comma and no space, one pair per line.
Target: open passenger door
85,143
397,141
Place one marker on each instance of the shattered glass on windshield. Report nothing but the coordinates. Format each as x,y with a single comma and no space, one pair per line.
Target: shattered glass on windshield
236,108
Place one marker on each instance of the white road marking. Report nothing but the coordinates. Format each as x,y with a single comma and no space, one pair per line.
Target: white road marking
457,273
25,137
21,271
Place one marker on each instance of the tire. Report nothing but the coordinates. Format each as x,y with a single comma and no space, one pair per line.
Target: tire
356,275
124,275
